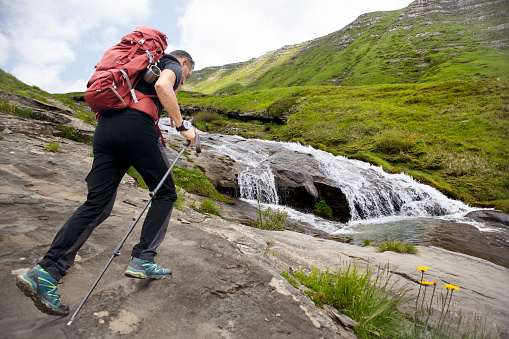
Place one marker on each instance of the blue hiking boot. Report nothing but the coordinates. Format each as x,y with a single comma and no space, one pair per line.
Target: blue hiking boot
142,269
41,287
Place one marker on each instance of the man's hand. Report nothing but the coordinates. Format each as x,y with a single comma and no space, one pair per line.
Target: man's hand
190,135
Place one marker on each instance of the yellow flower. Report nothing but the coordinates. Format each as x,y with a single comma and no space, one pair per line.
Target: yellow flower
423,268
427,282
452,287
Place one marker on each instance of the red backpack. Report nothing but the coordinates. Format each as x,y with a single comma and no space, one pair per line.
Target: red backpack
112,84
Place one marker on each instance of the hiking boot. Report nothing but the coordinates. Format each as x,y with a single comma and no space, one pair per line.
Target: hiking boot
142,269
41,287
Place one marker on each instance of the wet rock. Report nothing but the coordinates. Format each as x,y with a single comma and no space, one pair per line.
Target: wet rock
491,216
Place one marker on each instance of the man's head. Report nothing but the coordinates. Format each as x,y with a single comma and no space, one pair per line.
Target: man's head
186,61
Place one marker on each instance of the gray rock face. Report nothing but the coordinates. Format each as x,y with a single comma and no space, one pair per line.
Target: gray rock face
227,277
51,116
222,287
447,7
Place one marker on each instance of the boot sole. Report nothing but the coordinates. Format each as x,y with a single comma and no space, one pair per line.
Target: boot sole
144,276
41,305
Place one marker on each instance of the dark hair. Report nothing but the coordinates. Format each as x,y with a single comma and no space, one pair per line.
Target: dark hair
183,55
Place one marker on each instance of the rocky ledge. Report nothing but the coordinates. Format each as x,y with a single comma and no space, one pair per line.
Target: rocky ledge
227,276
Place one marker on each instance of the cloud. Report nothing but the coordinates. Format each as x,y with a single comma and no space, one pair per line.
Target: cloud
46,36
224,31
4,51
53,42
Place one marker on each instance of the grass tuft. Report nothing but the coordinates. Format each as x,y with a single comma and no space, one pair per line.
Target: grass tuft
397,246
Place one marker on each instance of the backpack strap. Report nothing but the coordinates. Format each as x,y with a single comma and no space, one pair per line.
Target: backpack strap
146,105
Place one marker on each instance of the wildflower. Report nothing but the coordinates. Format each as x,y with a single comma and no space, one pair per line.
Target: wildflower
452,287
427,282
423,268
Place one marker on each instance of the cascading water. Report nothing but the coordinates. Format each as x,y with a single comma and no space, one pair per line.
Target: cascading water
371,193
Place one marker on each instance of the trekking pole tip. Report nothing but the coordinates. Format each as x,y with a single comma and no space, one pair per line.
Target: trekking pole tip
69,323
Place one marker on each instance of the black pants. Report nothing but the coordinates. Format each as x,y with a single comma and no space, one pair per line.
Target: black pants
121,139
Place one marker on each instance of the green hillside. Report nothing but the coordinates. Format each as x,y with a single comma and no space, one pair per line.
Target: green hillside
404,46
451,135
423,90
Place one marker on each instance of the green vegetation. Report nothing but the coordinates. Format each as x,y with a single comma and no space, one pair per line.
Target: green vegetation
382,309
7,108
377,48
137,177
179,204
72,134
194,181
451,135
270,220
10,84
52,147
75,101
322,210
397,246
366,296
208,206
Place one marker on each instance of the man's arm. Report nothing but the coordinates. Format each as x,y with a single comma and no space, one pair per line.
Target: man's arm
165,93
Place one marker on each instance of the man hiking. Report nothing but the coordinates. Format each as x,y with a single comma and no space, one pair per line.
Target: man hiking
123,138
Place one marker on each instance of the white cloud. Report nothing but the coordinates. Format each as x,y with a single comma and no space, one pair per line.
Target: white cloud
46,35
4,51
53,42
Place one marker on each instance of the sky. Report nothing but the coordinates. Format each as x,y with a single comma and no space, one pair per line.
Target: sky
55,44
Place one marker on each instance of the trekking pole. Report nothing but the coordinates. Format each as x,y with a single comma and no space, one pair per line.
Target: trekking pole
116,252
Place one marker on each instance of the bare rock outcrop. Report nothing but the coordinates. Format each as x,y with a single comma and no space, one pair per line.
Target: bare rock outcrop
227,276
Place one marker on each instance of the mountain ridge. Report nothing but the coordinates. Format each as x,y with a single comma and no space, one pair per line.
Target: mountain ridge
427,41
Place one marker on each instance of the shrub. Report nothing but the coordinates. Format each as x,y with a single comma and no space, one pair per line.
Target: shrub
269,220
206,116
322,210
282,107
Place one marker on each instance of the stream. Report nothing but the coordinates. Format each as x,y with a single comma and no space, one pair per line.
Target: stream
381,205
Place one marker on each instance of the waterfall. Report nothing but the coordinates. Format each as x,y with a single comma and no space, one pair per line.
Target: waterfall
371,193
257,179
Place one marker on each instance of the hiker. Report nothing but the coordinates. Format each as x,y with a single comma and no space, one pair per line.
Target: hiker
123,138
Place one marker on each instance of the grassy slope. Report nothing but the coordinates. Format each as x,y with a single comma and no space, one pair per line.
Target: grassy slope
379,47
452,135
427,95
9,83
